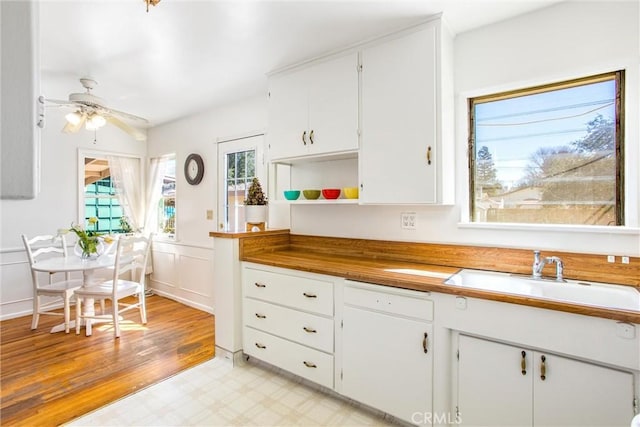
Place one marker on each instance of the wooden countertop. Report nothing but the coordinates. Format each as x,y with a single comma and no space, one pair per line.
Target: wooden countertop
412,275
234,234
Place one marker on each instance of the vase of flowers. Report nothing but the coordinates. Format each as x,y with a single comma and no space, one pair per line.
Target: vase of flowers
90,243
255,206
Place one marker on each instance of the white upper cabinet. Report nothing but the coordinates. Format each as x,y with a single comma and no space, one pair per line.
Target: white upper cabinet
313,110
406,154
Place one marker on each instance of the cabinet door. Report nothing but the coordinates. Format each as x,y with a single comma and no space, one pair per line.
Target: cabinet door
398,120
288,115
321,98
384,364
576,393
492,390
333,105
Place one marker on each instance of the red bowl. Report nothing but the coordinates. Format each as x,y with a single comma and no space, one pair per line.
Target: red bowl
330,193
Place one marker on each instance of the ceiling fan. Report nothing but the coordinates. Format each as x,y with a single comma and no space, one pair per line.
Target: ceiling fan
90,110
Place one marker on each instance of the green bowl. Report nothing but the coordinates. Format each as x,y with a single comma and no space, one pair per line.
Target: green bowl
291,194
311,194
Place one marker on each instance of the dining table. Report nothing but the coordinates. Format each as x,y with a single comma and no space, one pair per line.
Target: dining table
88,267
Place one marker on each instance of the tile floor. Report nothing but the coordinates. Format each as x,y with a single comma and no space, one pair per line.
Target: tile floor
217,394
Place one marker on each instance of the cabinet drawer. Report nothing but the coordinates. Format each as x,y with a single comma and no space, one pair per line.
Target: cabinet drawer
403,305
303,361
301,293
308,329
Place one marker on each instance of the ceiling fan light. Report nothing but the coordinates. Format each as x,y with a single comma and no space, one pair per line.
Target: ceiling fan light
95,121
73,118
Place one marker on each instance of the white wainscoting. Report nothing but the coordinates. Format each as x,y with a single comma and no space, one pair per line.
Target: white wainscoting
16,287
183,273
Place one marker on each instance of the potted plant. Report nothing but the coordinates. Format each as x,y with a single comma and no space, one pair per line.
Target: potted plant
90,242
255,206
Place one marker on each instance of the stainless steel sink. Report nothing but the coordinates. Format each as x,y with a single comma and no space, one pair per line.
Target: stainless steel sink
606,295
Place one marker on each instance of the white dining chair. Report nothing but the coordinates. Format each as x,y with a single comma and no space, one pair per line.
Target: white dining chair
132,253
38,248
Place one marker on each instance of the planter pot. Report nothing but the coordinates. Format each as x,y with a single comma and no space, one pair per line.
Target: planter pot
255,214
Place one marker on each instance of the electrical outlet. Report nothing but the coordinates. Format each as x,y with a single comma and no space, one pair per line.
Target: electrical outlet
625,330
611,258
408,220
209,214
625,260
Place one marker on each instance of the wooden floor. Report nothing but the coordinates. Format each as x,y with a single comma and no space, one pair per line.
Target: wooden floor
49,379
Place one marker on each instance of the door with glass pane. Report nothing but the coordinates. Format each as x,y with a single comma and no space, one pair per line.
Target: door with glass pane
239,161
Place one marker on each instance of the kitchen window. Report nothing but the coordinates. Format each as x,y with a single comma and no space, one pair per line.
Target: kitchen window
550,154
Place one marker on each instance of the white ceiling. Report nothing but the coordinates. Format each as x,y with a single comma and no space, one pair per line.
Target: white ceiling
188,55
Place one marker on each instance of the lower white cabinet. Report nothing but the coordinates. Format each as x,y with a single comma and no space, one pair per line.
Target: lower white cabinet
288,322
387,350
505,385
377,345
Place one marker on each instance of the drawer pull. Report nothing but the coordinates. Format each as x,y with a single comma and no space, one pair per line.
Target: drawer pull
260,346
310,330
260,316
543,368
523,363
424,342
308,295
260,285
309,364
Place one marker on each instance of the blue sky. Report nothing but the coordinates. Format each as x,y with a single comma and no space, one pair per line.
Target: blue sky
513,129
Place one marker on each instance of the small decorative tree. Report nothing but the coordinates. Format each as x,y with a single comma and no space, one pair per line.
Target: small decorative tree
255,209
255,196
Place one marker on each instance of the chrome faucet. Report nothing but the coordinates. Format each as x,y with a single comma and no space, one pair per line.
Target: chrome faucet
539,263
559,267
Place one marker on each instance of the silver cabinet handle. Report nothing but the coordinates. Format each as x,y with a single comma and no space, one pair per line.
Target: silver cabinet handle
260,316
425,342
260,346
523,363
304,137
309,295
309,364
429,155
260,285
543,368
311,136
309,330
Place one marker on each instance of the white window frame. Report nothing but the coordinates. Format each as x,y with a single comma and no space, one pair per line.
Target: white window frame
252,141
160,234
82,155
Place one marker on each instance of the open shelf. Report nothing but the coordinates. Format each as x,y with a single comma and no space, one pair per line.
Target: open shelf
319,202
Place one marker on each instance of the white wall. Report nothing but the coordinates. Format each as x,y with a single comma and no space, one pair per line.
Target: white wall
564,41
184,266
56,206
554,43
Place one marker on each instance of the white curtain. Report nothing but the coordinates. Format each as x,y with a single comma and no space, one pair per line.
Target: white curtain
127,179
157,169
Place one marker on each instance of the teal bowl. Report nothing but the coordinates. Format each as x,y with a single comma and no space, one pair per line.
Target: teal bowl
291,194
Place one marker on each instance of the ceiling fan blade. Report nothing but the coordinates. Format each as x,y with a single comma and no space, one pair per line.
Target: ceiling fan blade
71,128
127,116
137,134
60,102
